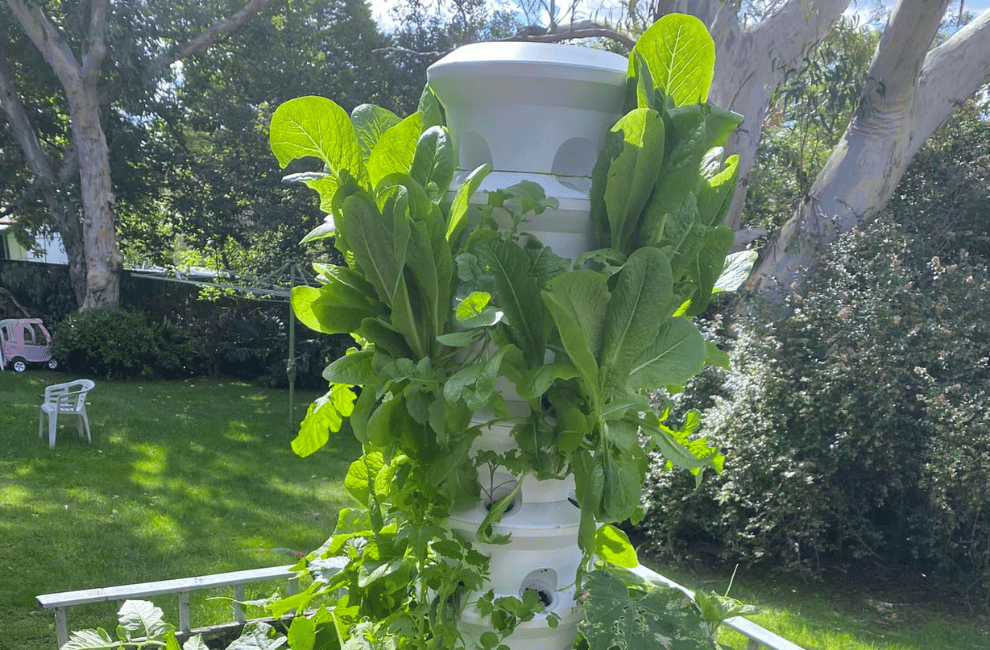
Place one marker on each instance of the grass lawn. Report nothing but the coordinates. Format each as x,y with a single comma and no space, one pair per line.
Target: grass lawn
867,608
194,477
183,478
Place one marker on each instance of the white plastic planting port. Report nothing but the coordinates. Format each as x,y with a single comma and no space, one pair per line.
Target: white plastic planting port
575,157
474,151
526,107
495,486
544,583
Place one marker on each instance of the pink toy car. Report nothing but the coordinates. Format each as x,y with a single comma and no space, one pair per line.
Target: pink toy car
24,341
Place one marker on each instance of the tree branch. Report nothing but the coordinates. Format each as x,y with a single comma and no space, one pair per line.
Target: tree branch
213,32
789,32
532,34
428,54
95,47
48,41
893,75
20,126
580,29
952,72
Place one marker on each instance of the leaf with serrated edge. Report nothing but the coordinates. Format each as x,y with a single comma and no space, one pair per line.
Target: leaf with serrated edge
256,637
142,619
195,643
662,618
97,639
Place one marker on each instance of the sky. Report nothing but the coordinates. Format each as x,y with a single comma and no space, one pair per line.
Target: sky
379,8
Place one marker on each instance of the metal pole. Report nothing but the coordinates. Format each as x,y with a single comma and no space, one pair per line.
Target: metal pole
290,368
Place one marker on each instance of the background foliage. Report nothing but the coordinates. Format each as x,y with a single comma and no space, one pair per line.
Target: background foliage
859,426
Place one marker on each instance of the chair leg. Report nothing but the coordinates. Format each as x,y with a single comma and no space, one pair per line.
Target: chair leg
41,421
52,426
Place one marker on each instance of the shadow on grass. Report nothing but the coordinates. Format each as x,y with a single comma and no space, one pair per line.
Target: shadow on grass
182,478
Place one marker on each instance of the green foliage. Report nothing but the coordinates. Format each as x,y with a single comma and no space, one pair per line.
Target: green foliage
117,344
635,614
142,625
444,297
857,428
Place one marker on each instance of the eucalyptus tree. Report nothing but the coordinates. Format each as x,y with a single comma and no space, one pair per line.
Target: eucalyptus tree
102,58
807,115
912,86
910,90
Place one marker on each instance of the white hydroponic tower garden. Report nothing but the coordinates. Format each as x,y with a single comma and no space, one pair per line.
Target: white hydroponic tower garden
535,112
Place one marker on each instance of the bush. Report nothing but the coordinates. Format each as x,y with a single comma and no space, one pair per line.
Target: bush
860,426
857,427
256,348
118,344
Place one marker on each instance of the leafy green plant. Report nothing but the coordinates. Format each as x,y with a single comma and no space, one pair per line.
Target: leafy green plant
447,297
142,625
857,427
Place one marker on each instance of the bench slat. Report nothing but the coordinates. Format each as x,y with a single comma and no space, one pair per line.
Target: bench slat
125,592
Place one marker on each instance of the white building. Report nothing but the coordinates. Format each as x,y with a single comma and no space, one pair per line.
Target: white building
51,248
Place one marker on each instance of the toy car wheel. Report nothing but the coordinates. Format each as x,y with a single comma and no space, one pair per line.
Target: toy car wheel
52,364
19,365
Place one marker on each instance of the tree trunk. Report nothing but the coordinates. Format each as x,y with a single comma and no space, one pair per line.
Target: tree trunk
103,259
65,217
751,62
910,92
95,261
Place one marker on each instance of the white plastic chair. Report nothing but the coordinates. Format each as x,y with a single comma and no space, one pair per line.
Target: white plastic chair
65,398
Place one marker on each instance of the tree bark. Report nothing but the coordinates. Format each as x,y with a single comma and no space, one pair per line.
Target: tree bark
910,92
90,243
79,81
751,62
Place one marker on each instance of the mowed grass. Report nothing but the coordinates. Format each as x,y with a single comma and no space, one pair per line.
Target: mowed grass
183,478
867,608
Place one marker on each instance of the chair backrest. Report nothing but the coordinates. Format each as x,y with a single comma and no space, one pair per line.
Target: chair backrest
69,396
